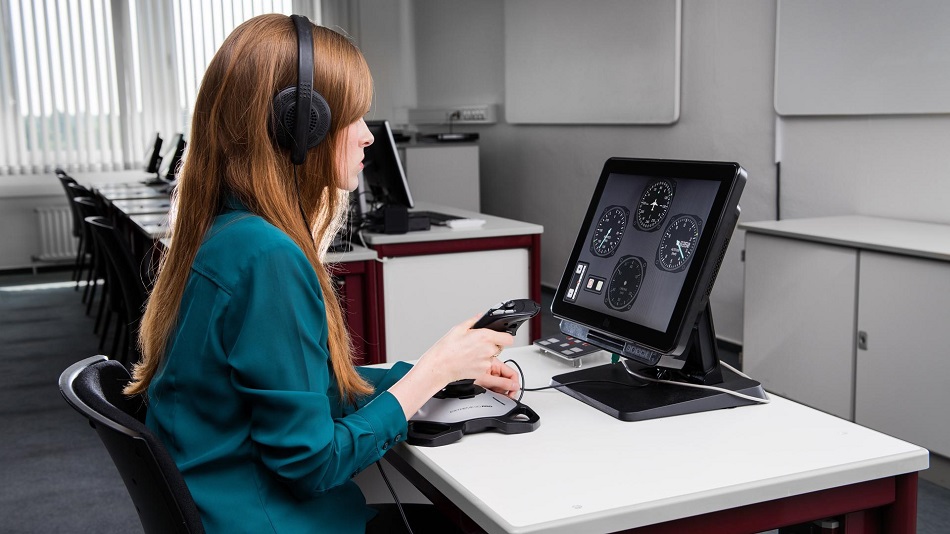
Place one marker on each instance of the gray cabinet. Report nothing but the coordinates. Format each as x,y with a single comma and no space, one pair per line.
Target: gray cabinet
847,315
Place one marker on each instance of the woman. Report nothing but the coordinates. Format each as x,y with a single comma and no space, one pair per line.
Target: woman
245,356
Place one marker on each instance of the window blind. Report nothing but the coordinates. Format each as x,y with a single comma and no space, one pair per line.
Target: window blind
86,84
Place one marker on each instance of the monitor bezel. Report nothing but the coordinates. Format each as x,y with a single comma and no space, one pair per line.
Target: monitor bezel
398,191
701,273
176,149
153,153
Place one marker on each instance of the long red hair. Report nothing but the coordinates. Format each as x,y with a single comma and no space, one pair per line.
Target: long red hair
231,151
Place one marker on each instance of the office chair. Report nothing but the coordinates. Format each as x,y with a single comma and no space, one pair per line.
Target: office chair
93,387
126,289
82,251
89,206
75,191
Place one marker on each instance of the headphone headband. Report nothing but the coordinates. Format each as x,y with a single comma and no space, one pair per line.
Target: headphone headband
301,115
304,87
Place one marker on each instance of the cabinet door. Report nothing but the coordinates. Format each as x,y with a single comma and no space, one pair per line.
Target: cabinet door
427,295
902,376
798,330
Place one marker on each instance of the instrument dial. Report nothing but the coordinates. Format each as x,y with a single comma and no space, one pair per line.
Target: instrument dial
625,283
678,243
654,204
609,231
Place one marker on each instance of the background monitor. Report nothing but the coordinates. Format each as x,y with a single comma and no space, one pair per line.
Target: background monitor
153,153
638,282
171,157
383,175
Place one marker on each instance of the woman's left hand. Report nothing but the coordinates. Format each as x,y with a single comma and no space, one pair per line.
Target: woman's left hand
500,379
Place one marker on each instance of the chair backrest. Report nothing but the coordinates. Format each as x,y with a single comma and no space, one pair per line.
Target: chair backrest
66,181
86,206
93,387
120,259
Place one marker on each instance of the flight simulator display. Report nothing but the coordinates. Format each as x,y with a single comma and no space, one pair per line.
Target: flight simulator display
638,282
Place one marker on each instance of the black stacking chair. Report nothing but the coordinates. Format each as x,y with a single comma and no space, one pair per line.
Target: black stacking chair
126,289
93,387
86,247
82,253
89,206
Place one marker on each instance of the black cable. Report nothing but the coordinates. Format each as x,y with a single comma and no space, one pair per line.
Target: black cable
600,381
395,499
520,372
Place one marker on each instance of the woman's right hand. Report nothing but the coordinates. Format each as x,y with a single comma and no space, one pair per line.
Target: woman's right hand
461,353
464,353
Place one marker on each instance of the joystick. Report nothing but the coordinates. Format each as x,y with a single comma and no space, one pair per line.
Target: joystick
464,408
506,316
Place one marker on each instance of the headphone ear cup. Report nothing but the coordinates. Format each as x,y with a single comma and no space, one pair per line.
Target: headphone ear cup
285,116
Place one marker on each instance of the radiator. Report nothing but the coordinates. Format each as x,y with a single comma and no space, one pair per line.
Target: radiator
56,234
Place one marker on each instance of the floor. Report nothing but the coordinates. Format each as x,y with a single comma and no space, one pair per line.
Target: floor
58,478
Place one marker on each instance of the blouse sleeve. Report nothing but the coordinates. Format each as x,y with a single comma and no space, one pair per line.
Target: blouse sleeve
381,379
275,338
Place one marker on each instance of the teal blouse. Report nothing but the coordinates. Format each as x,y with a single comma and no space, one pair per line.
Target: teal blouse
246,400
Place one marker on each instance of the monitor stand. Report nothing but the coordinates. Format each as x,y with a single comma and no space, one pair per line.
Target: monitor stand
641,400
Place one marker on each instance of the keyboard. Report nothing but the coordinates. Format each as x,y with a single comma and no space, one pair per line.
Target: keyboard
435,217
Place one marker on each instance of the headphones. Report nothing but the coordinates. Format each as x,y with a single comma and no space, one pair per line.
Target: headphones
295,131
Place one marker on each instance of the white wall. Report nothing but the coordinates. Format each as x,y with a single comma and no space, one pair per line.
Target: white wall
885,166
546,174
895,166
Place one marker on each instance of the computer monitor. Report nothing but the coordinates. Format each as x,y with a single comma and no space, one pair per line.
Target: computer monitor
383,175
171,157
152,153
638,282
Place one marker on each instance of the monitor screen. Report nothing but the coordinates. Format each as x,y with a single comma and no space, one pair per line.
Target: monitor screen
637,284
383,174
170,158
152,153
647,253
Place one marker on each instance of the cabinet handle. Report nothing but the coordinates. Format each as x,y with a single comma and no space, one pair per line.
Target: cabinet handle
862,340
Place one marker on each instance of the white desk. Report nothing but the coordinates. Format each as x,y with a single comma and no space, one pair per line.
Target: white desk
435,279
746,469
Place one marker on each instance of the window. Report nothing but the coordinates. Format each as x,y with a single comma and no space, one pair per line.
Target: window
84,84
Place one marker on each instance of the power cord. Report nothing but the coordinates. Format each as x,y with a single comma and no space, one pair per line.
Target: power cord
395,499
736,394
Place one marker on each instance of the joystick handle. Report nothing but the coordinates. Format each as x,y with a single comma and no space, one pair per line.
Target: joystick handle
506,316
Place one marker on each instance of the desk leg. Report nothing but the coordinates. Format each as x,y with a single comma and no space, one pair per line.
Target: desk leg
901,516
534,283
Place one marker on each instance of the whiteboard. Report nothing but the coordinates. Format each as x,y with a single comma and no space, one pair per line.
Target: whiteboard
592,61
862,57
